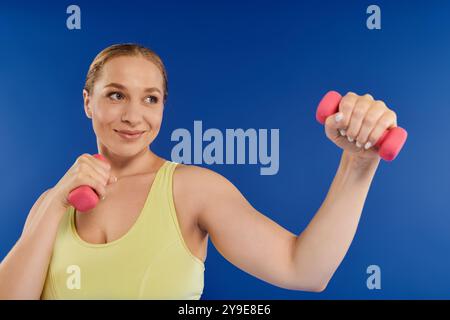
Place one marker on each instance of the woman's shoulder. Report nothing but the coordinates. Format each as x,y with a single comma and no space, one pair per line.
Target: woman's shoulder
198,190
196,176
199,185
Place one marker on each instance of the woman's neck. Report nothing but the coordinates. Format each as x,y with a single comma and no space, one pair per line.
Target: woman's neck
142,163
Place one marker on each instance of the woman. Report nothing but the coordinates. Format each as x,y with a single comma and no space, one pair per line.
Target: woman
147,237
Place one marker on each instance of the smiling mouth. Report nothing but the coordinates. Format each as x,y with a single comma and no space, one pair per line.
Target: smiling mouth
130,136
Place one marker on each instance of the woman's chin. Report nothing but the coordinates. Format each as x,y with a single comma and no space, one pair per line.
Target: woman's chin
125,151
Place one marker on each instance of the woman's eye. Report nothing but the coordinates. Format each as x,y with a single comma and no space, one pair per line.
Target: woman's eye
115,95
152,99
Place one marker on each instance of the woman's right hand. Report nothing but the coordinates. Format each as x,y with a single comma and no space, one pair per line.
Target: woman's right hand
87,170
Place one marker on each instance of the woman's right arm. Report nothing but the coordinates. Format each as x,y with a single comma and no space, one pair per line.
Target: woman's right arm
24,269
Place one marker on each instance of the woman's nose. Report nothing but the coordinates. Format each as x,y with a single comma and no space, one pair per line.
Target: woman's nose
132,112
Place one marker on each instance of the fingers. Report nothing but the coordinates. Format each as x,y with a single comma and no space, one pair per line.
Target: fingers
362,119
101,167
359,111
375,112
86,178
346,107
94,172
386,121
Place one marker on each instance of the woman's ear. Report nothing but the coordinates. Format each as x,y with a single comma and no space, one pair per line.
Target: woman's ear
87,108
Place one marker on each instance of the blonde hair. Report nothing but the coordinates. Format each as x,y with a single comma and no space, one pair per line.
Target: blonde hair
126,49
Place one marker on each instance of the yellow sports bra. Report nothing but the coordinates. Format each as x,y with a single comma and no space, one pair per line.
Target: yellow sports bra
151,261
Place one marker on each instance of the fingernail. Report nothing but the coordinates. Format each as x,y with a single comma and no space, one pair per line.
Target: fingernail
350,139
367,145
343,133
338,117
358,144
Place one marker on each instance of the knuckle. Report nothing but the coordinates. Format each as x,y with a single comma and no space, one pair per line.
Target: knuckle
369,120
363,103
386,123
393,114
359,111
346,106
83,167
82,158
329,120
368,96
379,104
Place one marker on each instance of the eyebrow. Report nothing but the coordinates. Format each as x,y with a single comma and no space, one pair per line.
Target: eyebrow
120,86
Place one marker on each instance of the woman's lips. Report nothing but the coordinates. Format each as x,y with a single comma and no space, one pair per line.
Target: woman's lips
129,136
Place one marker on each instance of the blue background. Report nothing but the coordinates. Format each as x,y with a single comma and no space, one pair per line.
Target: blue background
254,64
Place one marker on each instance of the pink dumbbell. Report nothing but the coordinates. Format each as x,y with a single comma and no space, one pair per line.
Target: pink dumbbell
389,144
84,198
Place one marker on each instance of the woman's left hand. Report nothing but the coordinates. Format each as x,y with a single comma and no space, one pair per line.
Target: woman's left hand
361,121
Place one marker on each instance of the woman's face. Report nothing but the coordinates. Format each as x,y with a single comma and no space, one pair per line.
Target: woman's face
128,95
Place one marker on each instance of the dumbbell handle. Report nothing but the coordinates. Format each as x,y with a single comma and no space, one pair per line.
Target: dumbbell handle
389,144
84,198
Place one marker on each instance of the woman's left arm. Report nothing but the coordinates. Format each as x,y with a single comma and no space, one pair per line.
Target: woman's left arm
261,247
321,247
